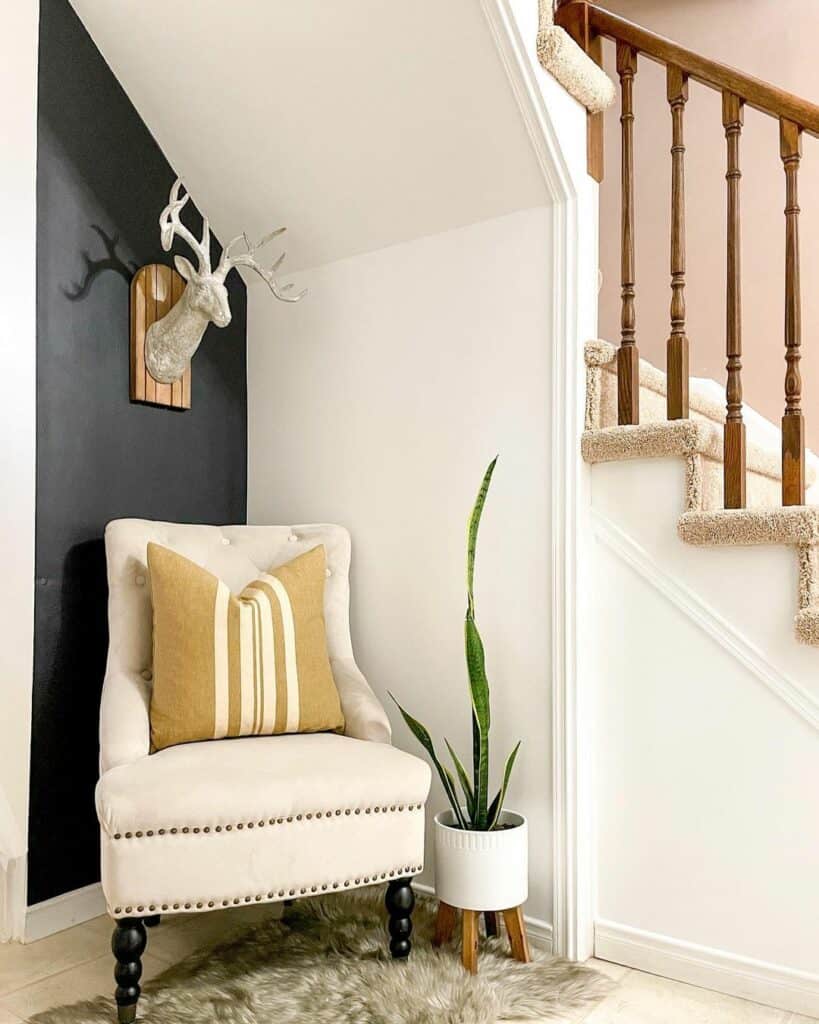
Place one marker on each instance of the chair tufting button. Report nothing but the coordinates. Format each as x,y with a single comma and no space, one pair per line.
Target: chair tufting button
226,540
328,573
292,538
140,581
147,675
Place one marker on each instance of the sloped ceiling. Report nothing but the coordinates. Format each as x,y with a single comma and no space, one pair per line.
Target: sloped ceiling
358,123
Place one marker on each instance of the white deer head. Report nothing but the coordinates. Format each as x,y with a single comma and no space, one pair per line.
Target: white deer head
171,342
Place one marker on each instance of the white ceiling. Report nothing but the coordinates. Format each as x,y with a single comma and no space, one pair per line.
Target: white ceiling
359,123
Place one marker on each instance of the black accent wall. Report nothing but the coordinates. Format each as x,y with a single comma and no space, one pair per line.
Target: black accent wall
102,182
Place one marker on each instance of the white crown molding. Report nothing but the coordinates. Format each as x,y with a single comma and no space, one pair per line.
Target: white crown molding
557,128
709,621
64,911
786,989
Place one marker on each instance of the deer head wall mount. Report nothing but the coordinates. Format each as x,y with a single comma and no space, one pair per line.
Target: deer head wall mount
171,342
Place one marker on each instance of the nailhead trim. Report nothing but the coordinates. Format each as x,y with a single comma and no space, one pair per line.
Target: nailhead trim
207,829
280,894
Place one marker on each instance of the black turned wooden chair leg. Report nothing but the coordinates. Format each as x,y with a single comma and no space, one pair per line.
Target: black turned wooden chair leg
400,901
153,921
128,945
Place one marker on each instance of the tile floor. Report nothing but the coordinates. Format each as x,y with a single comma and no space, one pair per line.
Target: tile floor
75,964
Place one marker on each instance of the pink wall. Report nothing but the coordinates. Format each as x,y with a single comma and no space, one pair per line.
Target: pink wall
771,39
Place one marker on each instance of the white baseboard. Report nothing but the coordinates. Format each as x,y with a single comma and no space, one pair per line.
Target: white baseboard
61,912
539,932
786,989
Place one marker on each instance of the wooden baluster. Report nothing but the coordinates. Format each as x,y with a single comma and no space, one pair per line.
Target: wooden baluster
734,444
793,422
628,356
677,347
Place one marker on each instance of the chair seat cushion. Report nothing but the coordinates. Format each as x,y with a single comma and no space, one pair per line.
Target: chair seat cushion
258,818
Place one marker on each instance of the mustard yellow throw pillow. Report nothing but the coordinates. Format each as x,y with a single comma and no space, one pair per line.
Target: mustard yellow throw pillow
252,665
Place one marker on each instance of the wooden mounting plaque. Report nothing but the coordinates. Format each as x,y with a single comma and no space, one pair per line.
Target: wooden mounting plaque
155,289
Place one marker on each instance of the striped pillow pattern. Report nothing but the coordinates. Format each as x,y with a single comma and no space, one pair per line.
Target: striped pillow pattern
247,665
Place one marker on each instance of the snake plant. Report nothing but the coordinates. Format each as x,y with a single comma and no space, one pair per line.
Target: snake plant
476,812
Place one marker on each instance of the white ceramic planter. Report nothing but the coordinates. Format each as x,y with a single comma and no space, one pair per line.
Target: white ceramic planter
482,870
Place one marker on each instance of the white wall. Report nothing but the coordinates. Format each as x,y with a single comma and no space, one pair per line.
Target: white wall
377,402
707,825
18,129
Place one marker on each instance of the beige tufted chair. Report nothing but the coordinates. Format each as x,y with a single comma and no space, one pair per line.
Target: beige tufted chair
207,825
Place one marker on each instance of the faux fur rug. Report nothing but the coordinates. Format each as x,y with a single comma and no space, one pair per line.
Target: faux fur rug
327,962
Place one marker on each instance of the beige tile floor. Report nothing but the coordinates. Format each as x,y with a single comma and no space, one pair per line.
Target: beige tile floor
75,964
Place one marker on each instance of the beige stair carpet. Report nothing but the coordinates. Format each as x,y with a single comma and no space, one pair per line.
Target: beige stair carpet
698,442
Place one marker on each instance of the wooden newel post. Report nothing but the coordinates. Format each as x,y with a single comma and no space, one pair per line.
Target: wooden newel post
573,16
734,446
628,356
677,347
793,422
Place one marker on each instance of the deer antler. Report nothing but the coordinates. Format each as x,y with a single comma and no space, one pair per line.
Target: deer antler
248,259
171,225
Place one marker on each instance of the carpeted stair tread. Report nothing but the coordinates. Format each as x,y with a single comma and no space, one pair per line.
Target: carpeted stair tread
702,434
675,437
746,526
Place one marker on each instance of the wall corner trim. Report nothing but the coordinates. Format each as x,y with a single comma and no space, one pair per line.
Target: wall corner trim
709,621
13,900
782,987
64,911
557,129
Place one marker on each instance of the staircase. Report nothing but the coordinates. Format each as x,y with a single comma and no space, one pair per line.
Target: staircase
739,491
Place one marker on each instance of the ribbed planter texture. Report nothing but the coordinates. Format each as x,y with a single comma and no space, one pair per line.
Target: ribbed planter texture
482,870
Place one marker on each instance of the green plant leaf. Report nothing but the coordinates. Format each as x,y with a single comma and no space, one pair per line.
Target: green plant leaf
475,663
466,786
453,787
479,689
497,804
472,533
421,733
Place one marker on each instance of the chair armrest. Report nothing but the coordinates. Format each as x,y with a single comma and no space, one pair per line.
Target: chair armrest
364,716
125,725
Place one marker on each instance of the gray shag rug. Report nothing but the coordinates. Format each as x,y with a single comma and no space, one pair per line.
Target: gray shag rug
326,962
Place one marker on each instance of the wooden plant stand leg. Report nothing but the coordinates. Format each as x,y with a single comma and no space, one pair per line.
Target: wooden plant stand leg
517,934
490,918
444,924
470,940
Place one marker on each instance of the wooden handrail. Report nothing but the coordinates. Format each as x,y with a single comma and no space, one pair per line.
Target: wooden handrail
756,93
